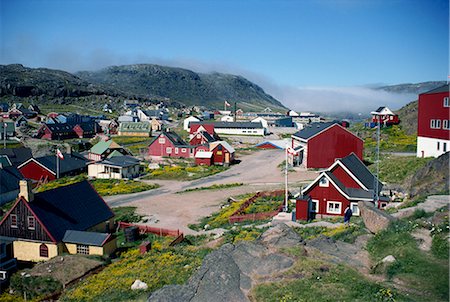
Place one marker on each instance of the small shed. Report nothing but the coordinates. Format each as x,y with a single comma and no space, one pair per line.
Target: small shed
203,158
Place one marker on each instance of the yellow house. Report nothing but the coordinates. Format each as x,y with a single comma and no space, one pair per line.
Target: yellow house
70,219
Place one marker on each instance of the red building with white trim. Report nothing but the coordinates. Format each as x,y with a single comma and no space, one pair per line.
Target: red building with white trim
320,144
433,124
345,183
385,116
169,144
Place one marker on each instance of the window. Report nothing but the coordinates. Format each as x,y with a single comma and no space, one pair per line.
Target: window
323,182
43,251
168,150
219,153
445,124
354,208
31,223
13,220
444,147
2,275
333,207
199,136
82,249
176,150
315,206
446,102
435,124
438,145
162,140
183,150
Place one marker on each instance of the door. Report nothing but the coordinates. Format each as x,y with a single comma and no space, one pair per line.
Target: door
354,207
227,158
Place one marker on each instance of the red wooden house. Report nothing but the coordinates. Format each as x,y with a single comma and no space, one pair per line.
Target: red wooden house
196,127
169,144
345,183
85,130
433,125
44,168
60,131
320,144
385,116
222,153
200,138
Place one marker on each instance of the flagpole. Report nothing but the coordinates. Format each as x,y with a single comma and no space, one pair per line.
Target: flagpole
57,164
286,180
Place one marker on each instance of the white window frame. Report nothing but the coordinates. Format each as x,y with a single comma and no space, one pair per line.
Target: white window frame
169,150
183,150
445,124
162,140
435,124
438,124
316,202
438,145
334,211
17,222
31,226
82,249
3,275
326,184
446,102
356,213
176,150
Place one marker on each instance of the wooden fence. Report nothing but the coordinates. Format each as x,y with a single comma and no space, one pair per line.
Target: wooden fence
239,215
144,229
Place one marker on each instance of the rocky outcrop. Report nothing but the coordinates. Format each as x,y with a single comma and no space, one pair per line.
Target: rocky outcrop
374,219
433,178
229,273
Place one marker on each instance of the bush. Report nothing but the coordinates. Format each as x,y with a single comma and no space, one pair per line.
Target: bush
34,286
126,214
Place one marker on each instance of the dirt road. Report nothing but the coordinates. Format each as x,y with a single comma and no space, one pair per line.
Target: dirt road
166,208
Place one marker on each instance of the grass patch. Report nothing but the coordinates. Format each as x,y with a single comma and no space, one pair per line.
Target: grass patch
423,272
127,140
34,286
161,266
265,204
343,233
136,149
321,281
220,218
214,187
184,172
104,187
395,169
126,214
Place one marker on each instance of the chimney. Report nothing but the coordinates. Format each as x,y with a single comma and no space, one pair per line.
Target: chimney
26,190
68,149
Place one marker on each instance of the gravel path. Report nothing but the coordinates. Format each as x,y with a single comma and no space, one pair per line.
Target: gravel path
165,208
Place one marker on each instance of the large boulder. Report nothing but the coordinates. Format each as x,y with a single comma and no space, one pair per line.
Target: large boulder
374,219
228,273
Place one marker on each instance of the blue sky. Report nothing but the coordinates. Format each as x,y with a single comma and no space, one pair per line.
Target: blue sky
305,43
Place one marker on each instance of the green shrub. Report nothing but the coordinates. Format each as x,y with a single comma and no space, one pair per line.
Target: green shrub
34,286
126,214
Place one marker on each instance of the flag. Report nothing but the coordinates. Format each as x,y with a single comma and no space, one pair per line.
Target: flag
59,154
227,104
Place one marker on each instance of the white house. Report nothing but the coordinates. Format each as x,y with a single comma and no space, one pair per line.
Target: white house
263,122
116,167
188,120
292,113
226,118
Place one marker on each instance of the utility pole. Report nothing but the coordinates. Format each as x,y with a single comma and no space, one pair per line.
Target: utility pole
5,125
286,180
377,162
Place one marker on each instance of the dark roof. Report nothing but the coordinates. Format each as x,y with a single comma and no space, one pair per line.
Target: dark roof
87,127
121,161
17,156
9,179
87,238
175,138
245,125
380,109
443,88
312,129
60,127
74,207
357,168
209,138
351,192
70,162
25,110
